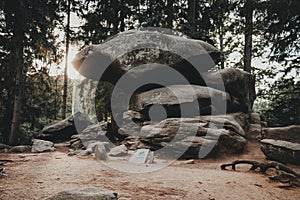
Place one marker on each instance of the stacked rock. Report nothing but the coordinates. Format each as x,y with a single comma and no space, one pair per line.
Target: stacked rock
172,101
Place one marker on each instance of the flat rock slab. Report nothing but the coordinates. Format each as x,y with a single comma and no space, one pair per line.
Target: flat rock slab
132,48
85,194
282,151
185,100
288,133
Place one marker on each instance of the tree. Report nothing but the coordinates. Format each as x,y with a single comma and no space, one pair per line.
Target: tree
65,90
248,13
29,26
283,105
16,13
281,21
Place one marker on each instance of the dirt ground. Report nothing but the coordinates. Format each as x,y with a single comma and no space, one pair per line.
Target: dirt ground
38,176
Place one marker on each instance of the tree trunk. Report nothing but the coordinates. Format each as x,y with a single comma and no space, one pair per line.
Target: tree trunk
192,15
17,61
122,16
248,35
221,40
65,90
170,14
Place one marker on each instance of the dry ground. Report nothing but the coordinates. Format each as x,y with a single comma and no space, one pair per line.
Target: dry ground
37,176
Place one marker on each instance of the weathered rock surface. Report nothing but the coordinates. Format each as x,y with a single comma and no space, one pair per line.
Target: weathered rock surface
282,151
40,146
191,133
288,133
63,130
90,193
132,48
183,100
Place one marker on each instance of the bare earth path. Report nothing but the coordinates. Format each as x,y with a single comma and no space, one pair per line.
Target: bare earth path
38,176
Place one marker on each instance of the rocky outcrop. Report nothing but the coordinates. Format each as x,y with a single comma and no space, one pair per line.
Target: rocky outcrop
63,130
282,151
162,108
134,48
85,193
39,146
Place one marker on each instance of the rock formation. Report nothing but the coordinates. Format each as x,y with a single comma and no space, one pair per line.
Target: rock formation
205,108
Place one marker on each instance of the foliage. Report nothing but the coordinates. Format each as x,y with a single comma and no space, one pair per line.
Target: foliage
27,35
218,22
282,107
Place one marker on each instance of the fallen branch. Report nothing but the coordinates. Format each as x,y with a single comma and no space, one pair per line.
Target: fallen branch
284,173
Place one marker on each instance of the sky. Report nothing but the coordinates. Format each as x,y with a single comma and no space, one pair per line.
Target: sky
72,73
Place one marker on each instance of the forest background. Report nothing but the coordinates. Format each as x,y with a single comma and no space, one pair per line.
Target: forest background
38,39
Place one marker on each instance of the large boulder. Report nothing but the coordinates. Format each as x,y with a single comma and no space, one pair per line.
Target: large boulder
98,132
237,83
90,193
133,48
282,151
63,130
288,133
131,123
39,146
223,132
185,100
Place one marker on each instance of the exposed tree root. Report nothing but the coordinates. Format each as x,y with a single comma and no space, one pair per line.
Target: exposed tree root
2,172
3,161
284,173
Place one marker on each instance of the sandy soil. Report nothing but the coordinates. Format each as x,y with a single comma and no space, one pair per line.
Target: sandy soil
37,176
